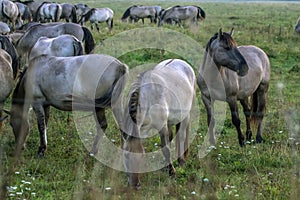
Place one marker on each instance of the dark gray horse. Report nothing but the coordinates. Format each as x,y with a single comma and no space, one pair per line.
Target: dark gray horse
140,12
68,12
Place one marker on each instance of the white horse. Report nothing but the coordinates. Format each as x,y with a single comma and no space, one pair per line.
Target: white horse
96,15
159,99
63,46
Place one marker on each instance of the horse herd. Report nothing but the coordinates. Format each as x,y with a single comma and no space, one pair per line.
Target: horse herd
56,72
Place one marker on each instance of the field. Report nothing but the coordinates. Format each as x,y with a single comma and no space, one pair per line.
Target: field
270,170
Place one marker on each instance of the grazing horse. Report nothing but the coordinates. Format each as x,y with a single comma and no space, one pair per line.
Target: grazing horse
159,99
63,46
48,12
96,15
140,12
84,83
6,80
24,11
231,73
297,27
30,37
81,9
9,11
68,12
181,13
32,5
7,45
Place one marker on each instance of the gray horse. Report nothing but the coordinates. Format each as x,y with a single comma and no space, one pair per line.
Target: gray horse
231,73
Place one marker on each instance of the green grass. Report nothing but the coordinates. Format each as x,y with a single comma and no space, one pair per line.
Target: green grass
265,171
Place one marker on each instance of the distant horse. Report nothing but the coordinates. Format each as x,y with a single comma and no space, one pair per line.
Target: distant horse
24,11
81,9
96,15
6,80
84,83
297,27
243,71
8,46
32,5
181,13
140,12
63,46
159,99
68,12
30,37
9,11
48,12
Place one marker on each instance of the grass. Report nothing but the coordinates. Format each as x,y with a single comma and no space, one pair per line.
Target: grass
265,171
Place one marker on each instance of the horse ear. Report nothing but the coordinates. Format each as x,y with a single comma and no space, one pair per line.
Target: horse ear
220,33
232,31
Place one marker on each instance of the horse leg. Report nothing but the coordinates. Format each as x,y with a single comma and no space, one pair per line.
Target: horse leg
182,140
97,26
259,113
101,125
247,112
166,149
208,102
236,119
42,114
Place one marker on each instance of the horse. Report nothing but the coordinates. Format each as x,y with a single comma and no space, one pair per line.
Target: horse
159,99
84,83
232,73
4,28
182,13
27,41
81,9
8,46
68,12
96,15
32,5
297,27
6,80
63,46
9,11
48,12
24,11
140,12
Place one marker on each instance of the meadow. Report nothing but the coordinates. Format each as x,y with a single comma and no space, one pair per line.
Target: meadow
270,170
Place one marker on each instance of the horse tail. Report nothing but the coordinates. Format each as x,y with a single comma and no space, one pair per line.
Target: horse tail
57,13
74,15
126,13
116,89
201,14
258,104
11,50
36,15
89,43
78,50
111,24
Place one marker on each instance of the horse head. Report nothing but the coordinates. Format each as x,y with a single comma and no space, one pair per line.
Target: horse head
224,52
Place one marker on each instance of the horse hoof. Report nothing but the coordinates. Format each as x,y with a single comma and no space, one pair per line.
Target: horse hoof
259,139
242,143
248,135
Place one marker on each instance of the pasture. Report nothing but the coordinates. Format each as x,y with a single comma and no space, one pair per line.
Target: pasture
270,170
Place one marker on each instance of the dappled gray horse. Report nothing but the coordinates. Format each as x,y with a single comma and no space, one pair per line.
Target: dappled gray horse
85,83
9,11
48,12
160,99
181,13
231,73
63,46
68,12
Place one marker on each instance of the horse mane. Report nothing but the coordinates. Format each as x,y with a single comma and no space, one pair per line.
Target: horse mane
15,99
127,12
226,37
